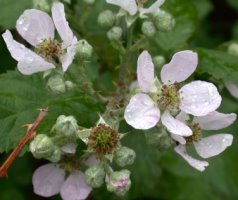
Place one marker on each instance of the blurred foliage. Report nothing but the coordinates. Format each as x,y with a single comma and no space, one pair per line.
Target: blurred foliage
155,175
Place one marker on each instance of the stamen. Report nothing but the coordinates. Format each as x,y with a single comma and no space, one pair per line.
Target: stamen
50,50
197,133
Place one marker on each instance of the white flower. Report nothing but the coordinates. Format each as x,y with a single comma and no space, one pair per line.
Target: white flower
37,28
132,6
209,146
197,98
49,180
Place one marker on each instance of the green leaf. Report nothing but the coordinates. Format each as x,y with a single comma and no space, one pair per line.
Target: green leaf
185,16
21,96
218,64
11,10
233,4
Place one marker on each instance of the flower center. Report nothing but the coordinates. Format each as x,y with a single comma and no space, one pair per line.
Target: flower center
141,1
169,97
197,133
103,139
50,49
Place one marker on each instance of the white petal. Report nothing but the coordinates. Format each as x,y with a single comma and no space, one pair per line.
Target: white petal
61,24
213,145
175,126
91,161
197,164
215,120
152,8
75,188
141,112
145,72
29,61
199,98
182,65
128,5
182,116
69,148
67,59
47,180
35,26
178,138
232,88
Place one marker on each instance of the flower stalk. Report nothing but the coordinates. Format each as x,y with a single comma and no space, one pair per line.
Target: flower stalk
30,134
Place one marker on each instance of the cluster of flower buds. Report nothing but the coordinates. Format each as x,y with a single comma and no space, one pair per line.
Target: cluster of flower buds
185,110
103,148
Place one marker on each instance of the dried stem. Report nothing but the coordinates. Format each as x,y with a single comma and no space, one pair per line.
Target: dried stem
30,134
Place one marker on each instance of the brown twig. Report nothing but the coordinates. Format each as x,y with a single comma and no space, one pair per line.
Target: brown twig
30,134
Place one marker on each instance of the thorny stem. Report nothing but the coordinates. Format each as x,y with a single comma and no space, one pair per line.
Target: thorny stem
30,134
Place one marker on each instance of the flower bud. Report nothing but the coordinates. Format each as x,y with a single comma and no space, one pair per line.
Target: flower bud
159,138
66,125
69,85
89,2
233,49
56,84
106,19
55,157
95,176
115,33
41,5
84,50
159,61
148,29
42,146
124,156
119,182
164,21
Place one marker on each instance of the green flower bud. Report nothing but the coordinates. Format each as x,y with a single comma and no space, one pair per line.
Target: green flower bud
56,84
84,50
42,146
106,19
55,157
119,182
69,85
233,49
159,61
115,33
95,176
66,125
41,5
159,138
89,2
164,21
148,28
124,156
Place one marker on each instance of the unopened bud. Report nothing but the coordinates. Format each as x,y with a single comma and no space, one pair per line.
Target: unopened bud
106,19
124,156
115,33
164,21
89,2
233,49
159,61
41,5
56,84
148,28
84,50
119,182
42,146
159,138
69,85
66,125
95,176
55,157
